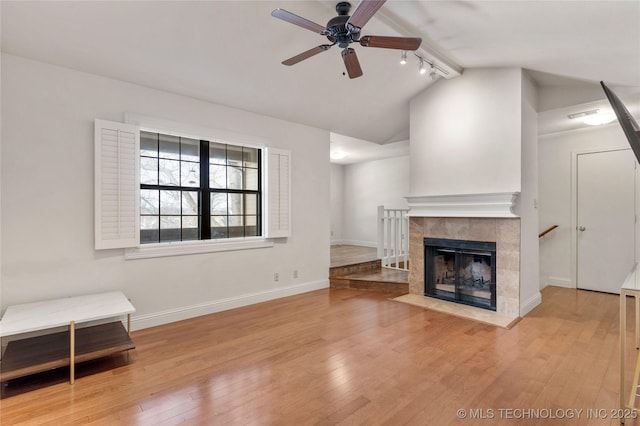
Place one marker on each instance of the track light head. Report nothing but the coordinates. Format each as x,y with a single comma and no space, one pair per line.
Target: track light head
432,73
421,68
403,57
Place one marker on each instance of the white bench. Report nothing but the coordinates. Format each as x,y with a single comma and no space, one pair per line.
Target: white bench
36,354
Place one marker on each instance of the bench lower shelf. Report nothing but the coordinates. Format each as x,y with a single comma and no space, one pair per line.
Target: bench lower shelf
42,353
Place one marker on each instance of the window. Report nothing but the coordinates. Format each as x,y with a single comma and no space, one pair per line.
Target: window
186,189
198,190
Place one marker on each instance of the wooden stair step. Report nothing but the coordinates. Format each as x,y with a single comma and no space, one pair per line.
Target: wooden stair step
373,265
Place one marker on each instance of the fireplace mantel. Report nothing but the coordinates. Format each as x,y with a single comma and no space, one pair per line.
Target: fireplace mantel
499,204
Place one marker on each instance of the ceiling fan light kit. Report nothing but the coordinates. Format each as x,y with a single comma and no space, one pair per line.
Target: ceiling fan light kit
344,30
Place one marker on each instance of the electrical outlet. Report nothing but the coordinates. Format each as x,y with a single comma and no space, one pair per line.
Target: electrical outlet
276,276
295,274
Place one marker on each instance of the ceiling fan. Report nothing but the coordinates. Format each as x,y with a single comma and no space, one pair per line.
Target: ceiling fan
344,30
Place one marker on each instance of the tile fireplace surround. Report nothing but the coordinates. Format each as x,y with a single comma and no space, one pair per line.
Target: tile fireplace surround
504,231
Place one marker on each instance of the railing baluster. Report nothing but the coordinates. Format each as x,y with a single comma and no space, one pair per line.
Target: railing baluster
393,238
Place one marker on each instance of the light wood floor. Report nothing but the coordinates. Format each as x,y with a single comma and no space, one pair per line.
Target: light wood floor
344,254
343,357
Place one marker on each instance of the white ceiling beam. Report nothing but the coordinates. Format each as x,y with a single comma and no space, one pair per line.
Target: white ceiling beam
428,49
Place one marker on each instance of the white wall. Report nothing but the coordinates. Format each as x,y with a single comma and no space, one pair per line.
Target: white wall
366,186
554,157
47,200
528,205
337,203
470,125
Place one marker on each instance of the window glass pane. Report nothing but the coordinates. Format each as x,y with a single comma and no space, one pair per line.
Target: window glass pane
173,215
219,227
190,174
251,204
235,204
170,202
236,226
234,177
169,228
190,149
250,157
150,222
169,147
148,171
217,176
236,221
149,144
251,179
149,229
190,202
190,228
217,153
149,201
251,226
169,172
234,155
218,204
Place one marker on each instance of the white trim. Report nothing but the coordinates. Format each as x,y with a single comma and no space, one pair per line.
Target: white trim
577,129
359,243
560,282
172,315
499,204
180,248
531,303
193,131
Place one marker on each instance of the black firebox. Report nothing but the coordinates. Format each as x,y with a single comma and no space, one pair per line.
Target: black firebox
461,271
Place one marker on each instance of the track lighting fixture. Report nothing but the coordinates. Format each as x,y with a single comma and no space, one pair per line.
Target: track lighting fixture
421,68
434,69
432,73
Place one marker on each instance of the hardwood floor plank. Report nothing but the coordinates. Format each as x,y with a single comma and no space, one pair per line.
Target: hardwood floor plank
342,357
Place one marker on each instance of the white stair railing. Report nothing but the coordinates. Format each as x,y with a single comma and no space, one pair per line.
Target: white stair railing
393,238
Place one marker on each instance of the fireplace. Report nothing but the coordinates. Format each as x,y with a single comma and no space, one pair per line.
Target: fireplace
461,271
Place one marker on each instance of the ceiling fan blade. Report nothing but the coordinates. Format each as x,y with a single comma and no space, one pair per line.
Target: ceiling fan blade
365,10
351,62
402,43
304,55
299,21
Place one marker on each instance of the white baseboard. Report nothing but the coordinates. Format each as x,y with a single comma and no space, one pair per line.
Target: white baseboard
560,282
337,242
528,305
164,317
360,243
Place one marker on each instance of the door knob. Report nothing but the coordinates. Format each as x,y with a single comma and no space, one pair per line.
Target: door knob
581,228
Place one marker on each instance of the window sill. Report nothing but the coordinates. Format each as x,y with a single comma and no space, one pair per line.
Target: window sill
148,251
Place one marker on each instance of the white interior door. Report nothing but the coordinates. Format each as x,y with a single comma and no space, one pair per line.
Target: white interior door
605,219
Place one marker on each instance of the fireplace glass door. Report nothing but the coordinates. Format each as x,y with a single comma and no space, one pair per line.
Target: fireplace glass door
461,271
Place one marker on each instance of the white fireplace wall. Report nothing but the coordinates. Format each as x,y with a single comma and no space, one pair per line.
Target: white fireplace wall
476,135
466,134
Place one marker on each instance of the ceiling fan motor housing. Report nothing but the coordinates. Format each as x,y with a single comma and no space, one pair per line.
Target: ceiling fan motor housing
338,26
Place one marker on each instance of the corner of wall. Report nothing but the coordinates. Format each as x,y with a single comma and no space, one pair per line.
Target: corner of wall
529,304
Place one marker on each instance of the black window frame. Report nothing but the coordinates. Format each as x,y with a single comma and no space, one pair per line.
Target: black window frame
204,191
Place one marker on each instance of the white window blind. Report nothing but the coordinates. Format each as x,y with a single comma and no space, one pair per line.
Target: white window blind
278,193
117,183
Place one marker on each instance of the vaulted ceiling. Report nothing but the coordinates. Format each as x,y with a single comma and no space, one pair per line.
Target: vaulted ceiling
229,52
